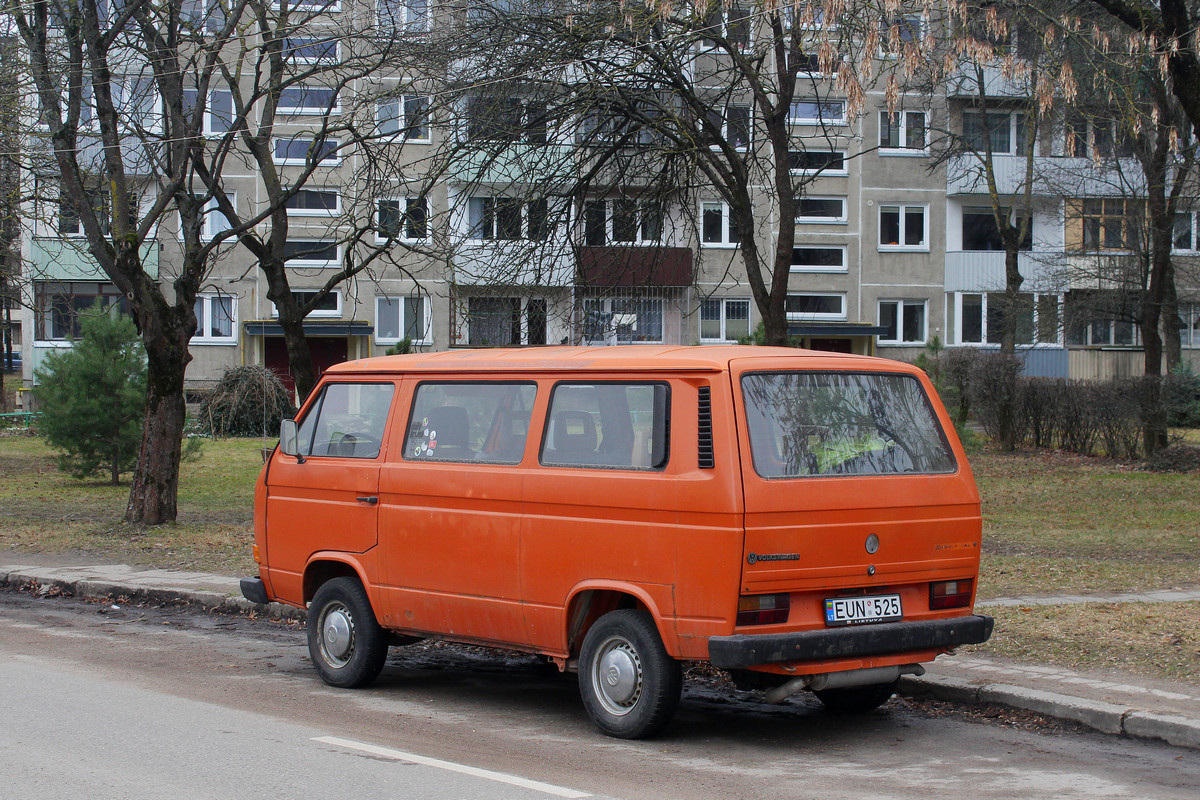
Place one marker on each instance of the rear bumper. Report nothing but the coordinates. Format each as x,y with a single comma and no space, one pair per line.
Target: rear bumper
741,651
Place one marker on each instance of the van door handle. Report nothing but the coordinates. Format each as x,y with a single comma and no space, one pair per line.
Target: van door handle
372,499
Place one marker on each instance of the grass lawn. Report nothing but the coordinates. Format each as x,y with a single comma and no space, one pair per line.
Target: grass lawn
1053,524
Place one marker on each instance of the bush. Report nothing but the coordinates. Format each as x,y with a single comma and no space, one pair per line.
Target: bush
248,401
93,398
994,396
1176,458
1181,396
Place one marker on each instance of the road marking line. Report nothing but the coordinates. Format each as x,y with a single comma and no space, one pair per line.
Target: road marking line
450,766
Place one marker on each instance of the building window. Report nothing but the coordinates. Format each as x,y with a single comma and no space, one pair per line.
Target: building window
732,125
980,232
308,100
717,226
724,319
1095,138
622,320
298,149
506,119
818,112
214,221
899,33
311,253
398,318
410,16
1186,237
406,219
815,307
405,115
1005,131
1111,224
904,320
506,219
310,50
216,319
821,209
137,103
329,306
314,203
818,162
60,306
902,130
728,23
904,227
811,258
1189,320
218,113
1101,318
980,318
621,220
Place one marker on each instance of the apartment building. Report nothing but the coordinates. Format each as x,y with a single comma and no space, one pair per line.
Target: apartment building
895,238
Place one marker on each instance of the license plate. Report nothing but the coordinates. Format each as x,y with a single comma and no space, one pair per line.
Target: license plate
862,610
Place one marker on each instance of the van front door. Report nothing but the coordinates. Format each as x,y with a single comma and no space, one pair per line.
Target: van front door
326,498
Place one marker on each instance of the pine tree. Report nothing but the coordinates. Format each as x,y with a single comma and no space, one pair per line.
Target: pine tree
93,398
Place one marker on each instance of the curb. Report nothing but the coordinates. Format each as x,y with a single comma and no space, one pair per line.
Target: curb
209,601
1107,718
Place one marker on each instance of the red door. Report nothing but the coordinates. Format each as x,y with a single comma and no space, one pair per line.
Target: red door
326,351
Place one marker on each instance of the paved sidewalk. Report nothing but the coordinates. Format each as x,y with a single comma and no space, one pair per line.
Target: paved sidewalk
1145,708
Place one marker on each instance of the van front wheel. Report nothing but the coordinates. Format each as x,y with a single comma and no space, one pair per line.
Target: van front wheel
629,684
347,644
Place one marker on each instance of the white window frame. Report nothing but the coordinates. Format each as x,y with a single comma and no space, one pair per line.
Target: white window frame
808,246
302,263
820,119
204,334
409,23
1189,335
401,117
332,160
402,321
983,324
605,305
610,211
122,103
523,236
900,247
1193,232
331,313
901,305
725,302
310,111
1014,130
316,212
903,130
213,222
401,236
726,224
820,316
705,45
843,218
845,170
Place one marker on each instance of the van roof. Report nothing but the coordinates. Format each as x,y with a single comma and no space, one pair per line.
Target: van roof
704,358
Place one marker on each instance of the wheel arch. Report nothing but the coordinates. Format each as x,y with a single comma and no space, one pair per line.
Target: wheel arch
323,567
593,599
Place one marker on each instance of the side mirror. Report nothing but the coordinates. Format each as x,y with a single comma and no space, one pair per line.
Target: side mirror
287,438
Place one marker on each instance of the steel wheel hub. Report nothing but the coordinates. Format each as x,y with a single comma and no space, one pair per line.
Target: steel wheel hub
337,634
617,676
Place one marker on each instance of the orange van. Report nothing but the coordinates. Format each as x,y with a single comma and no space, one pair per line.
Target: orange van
804,520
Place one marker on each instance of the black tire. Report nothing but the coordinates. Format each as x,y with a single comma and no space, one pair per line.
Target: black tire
856,699
347,644
629,684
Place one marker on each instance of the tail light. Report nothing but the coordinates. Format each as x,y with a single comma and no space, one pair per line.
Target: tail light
950,594
763,609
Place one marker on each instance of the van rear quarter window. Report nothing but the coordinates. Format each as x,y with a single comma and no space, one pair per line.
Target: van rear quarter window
806,424
346,421
470,421
607,425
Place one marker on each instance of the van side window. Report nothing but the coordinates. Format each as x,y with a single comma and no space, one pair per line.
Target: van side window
610,425
842,423
346,421
475,421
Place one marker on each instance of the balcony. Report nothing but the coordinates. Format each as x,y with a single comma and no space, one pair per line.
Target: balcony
983,271
57,259
629,267
1053,176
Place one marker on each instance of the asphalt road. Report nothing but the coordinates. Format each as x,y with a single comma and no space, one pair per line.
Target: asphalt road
145,702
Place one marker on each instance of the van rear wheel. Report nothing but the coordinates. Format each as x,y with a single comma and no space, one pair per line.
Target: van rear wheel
347,644
629,684
856,699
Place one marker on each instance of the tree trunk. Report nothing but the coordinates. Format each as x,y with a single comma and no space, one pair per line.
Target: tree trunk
279,292
154,496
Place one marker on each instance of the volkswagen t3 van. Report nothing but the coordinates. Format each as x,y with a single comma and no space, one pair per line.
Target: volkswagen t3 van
805,520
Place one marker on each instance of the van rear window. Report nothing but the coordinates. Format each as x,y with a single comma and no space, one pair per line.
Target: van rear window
842,423
607,425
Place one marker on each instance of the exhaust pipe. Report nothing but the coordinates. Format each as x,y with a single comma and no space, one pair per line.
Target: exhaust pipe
841,680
